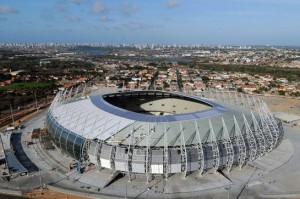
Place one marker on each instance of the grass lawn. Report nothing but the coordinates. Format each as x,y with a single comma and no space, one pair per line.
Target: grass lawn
26,85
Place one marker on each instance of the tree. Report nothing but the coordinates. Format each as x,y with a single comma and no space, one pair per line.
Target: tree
239,89
281,92
166,85
256,91
295,94
205,79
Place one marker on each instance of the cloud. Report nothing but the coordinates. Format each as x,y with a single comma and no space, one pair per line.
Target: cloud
140,26
100,8
48,14
285,2
78,2
117,28
61,7
3,18
128,9
105,19
172,3
7,10
242,13
73,19
68,30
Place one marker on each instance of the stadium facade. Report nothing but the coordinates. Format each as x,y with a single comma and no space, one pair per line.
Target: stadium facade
153,132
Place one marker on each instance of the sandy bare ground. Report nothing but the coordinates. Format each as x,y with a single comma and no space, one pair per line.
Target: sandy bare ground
281,104
50,194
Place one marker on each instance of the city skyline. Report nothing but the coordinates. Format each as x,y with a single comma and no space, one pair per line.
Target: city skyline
230,22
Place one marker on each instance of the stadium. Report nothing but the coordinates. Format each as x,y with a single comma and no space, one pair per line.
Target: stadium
154,132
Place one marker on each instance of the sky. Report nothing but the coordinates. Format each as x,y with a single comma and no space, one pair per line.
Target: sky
220,22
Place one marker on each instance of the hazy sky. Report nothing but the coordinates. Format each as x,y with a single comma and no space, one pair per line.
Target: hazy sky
244,22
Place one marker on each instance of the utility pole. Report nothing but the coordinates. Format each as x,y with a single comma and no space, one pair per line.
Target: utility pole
35,100
12,116
123,87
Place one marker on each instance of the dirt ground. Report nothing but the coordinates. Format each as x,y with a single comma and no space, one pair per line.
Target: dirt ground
281,104
50,194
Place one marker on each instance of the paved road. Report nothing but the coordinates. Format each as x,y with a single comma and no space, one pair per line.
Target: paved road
21,155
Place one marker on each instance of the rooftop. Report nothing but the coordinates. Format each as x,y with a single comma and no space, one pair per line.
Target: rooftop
95,118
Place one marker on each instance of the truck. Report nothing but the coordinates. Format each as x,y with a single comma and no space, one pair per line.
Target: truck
10,128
